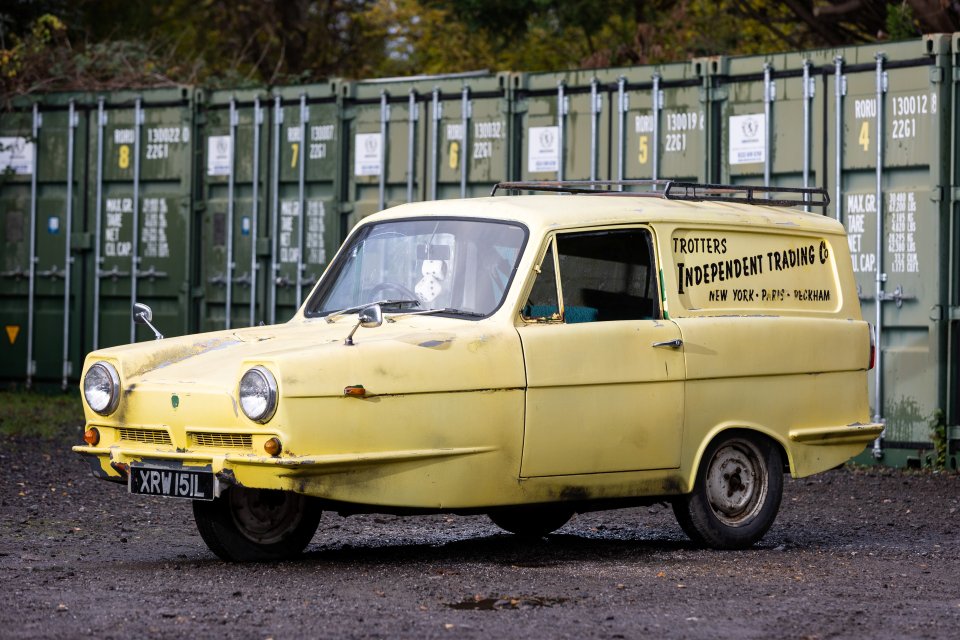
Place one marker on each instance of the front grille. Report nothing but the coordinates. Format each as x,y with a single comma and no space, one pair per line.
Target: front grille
222,440
146,436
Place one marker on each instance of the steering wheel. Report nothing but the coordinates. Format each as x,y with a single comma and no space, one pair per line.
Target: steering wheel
381,289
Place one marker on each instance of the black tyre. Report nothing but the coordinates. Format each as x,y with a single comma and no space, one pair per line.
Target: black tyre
532,521
257,525
736,494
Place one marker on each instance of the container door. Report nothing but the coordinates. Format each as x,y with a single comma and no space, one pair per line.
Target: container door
142,216
234,237
17,171
562,126
893,166
661,124
472,139
304,213
768,120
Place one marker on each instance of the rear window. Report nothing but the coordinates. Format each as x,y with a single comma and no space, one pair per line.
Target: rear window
734,270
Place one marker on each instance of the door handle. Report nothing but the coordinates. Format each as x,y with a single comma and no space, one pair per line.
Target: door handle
673,344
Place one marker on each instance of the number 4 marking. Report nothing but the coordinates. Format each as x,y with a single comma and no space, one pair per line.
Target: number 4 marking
865,136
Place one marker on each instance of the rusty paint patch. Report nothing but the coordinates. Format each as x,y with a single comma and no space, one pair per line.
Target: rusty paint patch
574,493
172,355
430,340
227,478
476,345
437,344
252,338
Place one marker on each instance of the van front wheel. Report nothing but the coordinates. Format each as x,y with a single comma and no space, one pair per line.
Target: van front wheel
257,525
736,494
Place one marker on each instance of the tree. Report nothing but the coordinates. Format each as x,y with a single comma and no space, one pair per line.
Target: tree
106,44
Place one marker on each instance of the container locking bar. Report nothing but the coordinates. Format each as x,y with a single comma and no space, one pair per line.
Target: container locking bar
413,114
138,120
255,204
898,296
31,364
231,187
301,195
275,208
98,230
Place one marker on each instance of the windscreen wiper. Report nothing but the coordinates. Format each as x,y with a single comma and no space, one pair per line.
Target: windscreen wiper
450,310
383,303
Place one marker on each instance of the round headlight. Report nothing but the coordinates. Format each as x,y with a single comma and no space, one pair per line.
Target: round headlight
101,388
258,394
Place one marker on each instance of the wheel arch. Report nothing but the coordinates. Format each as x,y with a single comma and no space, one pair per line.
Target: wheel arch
730,428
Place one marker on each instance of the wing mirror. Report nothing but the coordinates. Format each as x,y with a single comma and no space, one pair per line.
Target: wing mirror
143,314
369,318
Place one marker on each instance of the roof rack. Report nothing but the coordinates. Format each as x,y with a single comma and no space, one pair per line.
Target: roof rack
672,190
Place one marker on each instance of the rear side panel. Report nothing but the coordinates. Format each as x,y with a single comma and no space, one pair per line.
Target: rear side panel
772,340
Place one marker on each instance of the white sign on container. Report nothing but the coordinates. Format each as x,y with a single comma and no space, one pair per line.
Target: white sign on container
367,154
543,149
747,135
218,155
16,156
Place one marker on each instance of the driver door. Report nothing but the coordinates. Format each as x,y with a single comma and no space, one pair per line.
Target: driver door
605,370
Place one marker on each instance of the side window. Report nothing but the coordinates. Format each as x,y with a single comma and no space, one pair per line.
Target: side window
604,276
542,304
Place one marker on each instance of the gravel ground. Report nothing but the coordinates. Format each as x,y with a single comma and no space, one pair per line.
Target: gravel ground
854,554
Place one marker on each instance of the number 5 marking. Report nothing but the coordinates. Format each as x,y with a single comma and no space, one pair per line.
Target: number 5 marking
642,156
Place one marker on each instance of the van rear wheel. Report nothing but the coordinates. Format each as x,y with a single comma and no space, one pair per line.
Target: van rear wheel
736,493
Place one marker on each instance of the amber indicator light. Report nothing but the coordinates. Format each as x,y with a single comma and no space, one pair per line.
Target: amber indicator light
273,446
92,437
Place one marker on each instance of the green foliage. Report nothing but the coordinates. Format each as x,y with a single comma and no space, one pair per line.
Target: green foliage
900,23
107,44
40,414
45,59
938,435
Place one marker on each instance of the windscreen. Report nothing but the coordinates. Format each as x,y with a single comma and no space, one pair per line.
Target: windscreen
460,266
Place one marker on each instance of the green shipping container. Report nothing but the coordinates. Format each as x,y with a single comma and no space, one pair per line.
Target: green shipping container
870,124
41,193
